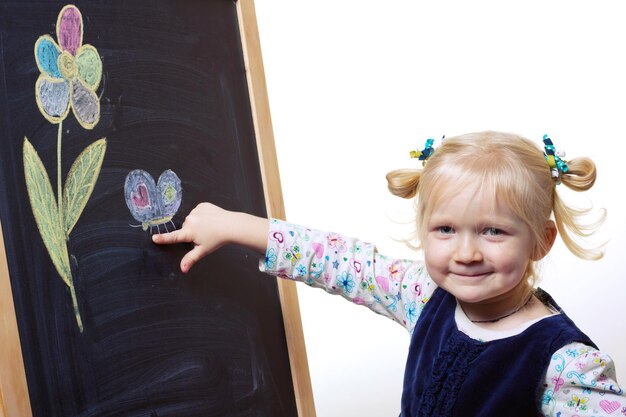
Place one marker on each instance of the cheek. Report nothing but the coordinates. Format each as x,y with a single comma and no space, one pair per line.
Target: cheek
511,260
435,255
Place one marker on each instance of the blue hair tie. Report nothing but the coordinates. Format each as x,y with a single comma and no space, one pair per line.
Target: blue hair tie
425,153
557,165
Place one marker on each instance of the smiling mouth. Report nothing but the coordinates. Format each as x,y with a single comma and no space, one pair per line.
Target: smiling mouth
470,275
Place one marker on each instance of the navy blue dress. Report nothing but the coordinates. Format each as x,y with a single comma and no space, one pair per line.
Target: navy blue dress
450,374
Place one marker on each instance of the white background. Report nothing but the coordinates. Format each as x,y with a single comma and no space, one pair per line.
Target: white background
354,85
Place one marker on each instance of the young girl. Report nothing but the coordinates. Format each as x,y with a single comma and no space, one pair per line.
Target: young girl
484,340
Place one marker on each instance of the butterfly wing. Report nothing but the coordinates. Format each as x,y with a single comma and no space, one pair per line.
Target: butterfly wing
170,194
140,193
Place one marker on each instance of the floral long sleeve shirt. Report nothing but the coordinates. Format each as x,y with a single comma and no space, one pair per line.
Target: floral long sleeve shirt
580,380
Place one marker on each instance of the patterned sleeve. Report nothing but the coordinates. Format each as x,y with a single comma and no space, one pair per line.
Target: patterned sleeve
394,288
581,380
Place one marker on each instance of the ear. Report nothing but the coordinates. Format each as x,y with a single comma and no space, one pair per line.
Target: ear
548,240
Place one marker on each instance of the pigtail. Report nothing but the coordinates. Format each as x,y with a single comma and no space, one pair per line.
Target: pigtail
403,182
580,176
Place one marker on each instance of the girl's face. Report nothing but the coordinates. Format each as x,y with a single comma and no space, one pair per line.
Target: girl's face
477,250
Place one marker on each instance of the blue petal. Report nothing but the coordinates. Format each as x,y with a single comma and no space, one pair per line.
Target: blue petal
53,98
46,54
169,181
140,192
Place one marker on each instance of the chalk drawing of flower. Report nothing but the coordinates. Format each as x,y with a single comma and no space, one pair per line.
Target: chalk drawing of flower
70,72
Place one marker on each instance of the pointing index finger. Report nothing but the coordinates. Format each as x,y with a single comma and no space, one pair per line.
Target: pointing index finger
176,236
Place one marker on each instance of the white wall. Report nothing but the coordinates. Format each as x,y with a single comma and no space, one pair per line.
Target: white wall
354,85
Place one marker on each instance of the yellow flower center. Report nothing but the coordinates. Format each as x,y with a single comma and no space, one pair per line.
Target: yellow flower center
169,194
67,65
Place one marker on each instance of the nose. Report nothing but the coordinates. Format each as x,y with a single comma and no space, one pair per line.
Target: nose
467,250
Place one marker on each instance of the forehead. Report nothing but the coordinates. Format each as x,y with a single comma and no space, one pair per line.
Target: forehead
461,192
470,201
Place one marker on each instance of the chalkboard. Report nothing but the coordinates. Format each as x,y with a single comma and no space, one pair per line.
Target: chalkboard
97,320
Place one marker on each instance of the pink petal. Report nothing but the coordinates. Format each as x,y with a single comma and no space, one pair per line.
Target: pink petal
70,29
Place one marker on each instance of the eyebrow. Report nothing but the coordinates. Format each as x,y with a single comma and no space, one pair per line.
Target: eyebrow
497,222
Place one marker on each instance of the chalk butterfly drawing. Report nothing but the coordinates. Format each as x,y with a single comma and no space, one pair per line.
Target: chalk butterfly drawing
153,204
70,73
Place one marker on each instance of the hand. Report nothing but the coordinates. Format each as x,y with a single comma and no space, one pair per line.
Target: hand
210,227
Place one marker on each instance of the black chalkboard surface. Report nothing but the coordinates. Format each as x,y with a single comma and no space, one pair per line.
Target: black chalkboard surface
131,336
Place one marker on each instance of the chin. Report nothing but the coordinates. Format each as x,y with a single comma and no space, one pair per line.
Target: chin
464,297
466,294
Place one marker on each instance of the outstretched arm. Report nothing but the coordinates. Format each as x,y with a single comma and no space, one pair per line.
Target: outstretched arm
210,227
395,288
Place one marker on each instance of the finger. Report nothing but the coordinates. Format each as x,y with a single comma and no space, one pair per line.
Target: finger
177,236
191,258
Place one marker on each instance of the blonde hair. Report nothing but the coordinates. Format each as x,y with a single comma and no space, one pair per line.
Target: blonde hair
513,170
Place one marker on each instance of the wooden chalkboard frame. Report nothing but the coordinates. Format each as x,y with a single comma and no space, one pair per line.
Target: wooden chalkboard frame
14,397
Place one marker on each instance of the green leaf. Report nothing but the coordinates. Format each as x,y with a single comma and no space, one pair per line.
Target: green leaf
45,210
80,182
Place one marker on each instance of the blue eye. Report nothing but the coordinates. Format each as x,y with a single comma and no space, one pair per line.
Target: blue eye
492,231
445,229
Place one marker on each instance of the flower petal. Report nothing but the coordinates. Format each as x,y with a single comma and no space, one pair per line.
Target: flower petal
70,28
89,66
85,105
46,54
53,98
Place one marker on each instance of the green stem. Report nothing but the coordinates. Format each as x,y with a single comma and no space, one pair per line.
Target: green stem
59,183
79,321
